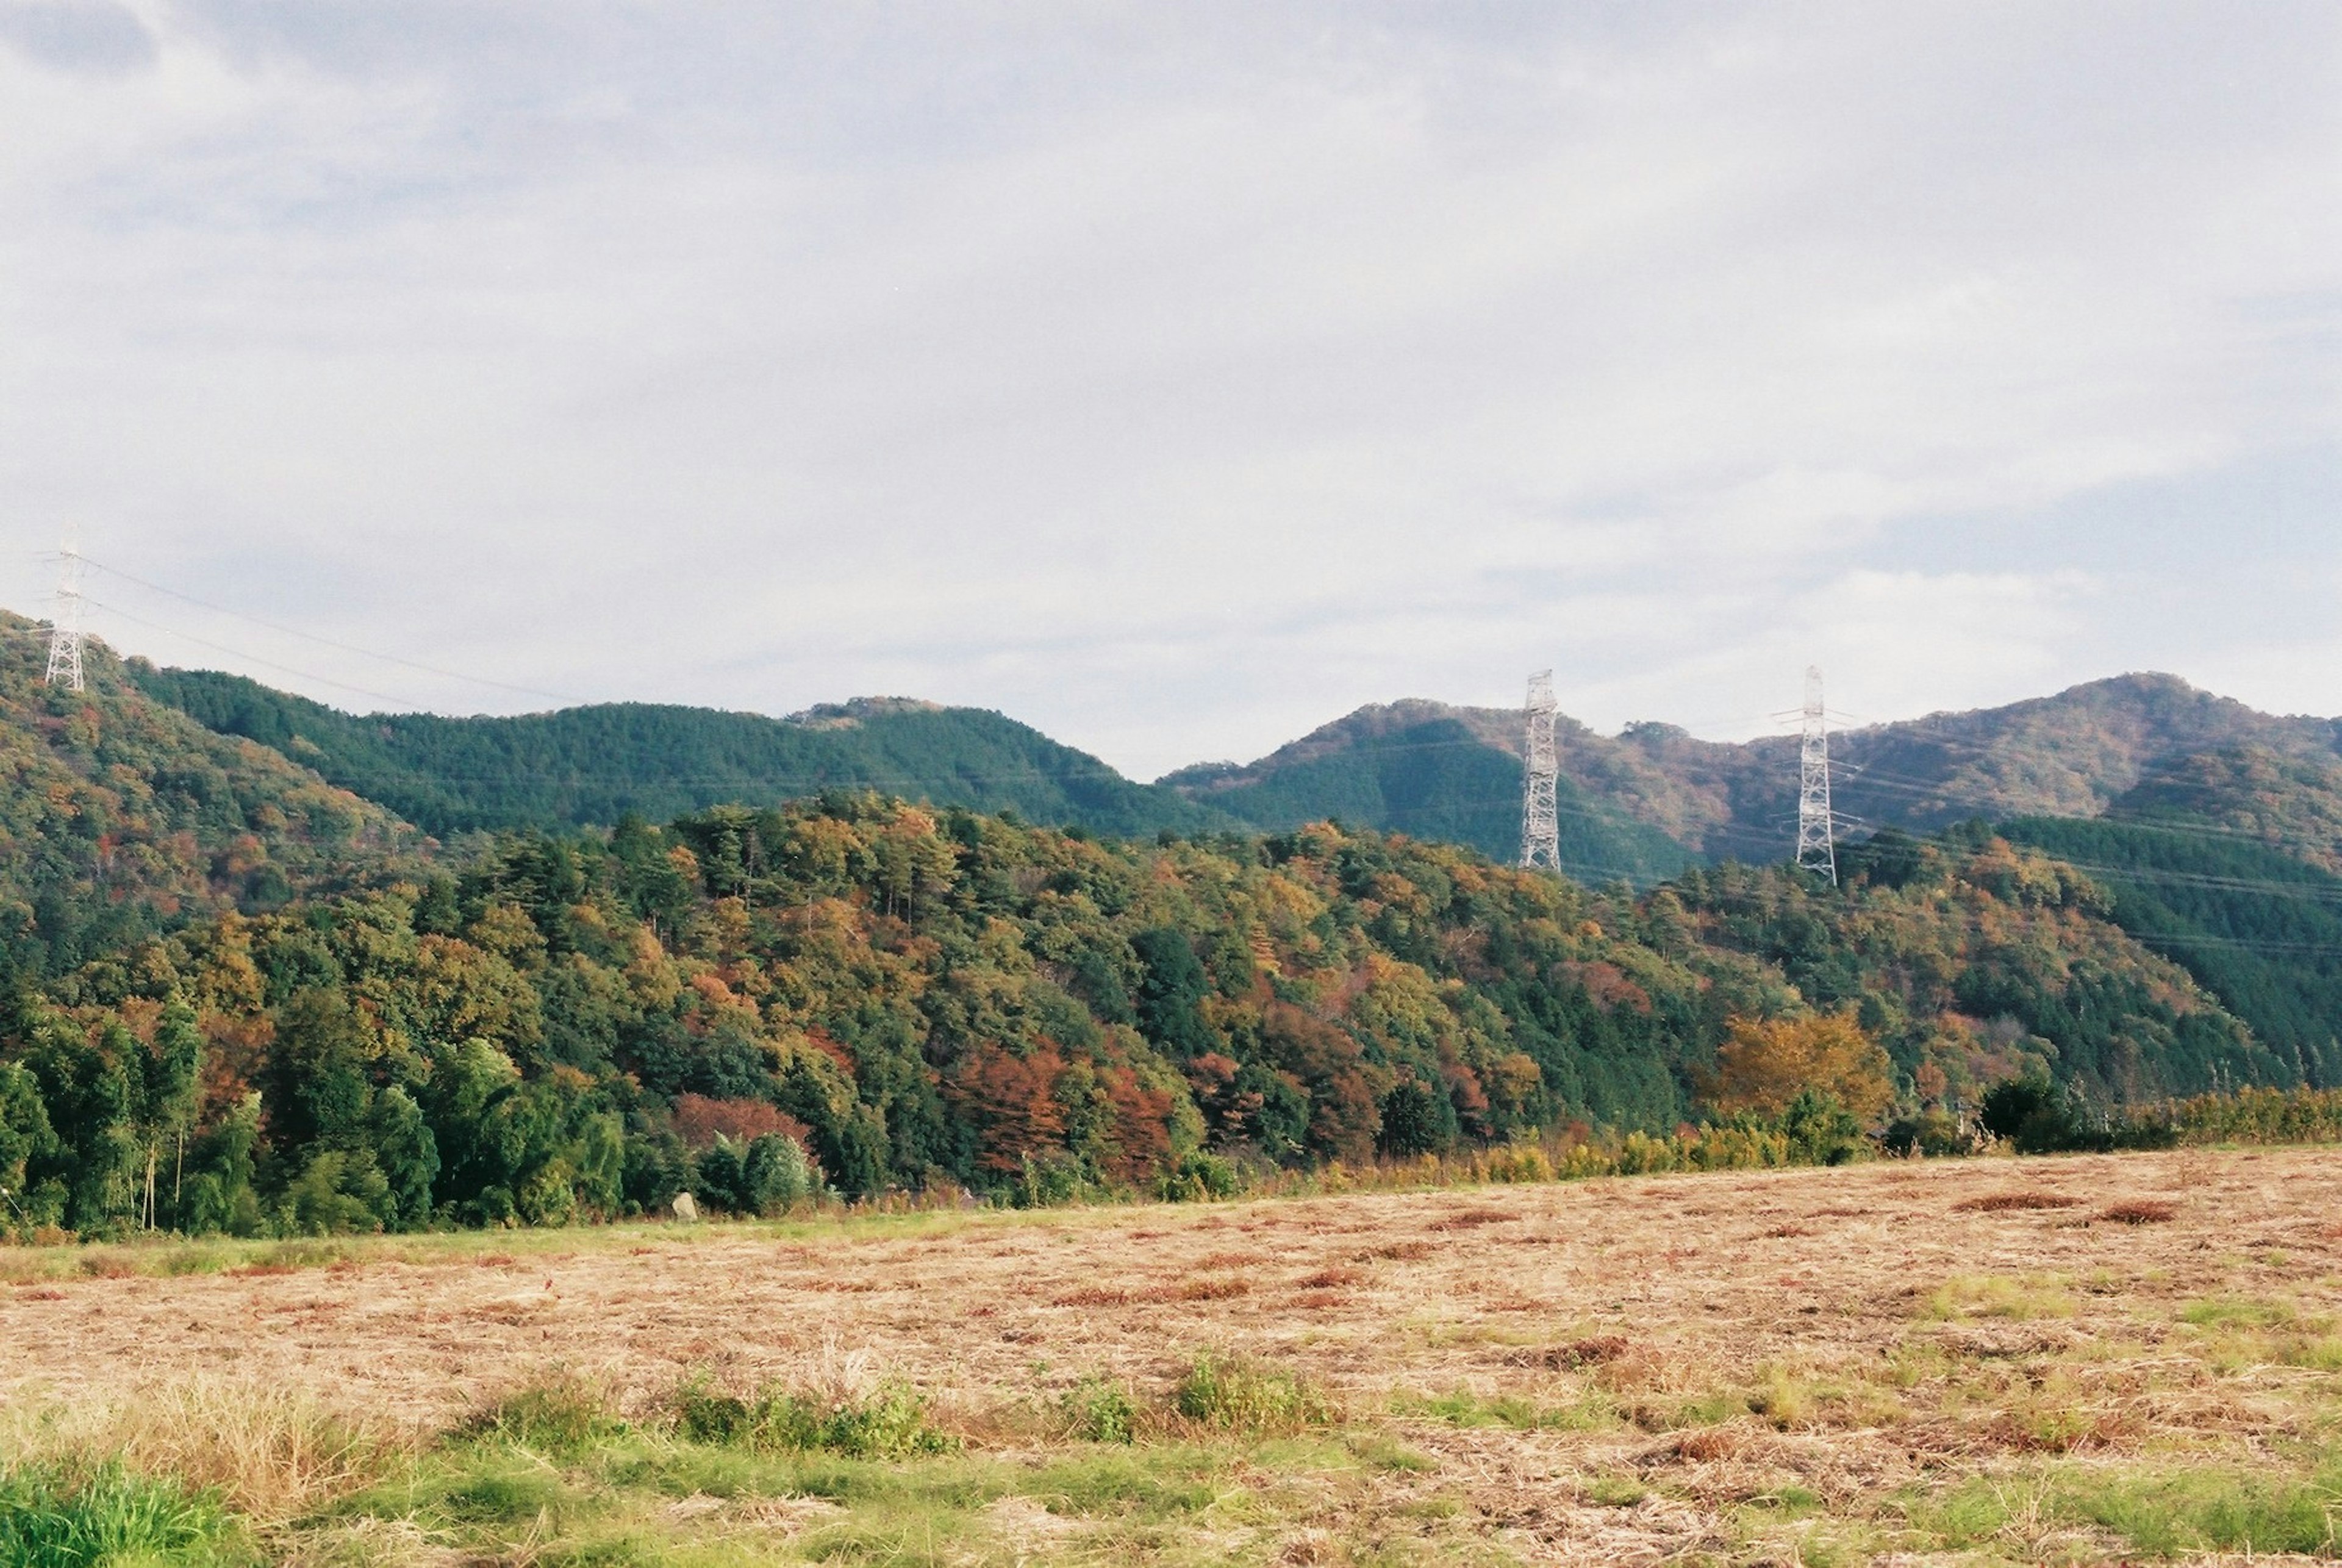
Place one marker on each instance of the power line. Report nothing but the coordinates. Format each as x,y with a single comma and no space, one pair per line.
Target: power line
239,653
326,642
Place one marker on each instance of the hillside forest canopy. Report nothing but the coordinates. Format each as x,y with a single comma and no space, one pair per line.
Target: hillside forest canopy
236,997
857,994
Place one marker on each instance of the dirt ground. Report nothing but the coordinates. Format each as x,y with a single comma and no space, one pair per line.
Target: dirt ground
1861,1327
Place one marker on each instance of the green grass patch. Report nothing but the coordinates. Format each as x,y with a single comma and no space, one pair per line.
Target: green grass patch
1228,1394
1378,1451
1097,1410
888,1422
2163,1513
558,1417
112,1518
1999,1296
1616,1491
2234,1312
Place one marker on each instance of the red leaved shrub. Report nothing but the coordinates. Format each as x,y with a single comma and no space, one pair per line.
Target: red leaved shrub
700,1121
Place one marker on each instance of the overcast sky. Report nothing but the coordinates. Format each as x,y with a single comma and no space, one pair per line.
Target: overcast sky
1176,377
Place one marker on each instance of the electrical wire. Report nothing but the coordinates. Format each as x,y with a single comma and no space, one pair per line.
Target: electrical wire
1859,778
314,637
233,653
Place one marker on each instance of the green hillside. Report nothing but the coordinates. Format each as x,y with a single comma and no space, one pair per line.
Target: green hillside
120,816
341,1026
1435,780
600,763
2286,802
2071,754
1976,959
2257,928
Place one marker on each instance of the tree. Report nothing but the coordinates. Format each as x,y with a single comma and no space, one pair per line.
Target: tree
1173,983
174,1071
25,1137
1767,1063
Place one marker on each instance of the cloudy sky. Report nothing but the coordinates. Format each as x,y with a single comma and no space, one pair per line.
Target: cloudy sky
1176,377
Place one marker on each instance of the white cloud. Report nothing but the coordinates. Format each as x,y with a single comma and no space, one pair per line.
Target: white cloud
1173,387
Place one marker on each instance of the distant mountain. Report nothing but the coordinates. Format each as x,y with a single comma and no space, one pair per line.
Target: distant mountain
1433,772
2292,803
2072,754
596,765
120,815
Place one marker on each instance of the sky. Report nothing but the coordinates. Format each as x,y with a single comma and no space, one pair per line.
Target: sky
1178,377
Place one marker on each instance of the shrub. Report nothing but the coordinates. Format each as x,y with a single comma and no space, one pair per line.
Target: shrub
1198,1178
766,1175
1930,1133
1518,1163
888,1422
1820,1130
1101,1412
2036,1117
559,1416
1237,1395
1049,1182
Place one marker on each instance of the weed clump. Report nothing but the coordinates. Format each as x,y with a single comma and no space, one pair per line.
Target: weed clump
2139,1211
1098,1410
54,1518
1231,1394
889,1422
2005,1203
560,1416
1584,1353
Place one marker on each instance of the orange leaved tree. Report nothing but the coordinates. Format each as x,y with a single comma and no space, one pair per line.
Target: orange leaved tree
1767,1063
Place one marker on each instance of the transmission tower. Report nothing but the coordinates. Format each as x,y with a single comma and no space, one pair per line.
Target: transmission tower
65,633
1817,845
1540,829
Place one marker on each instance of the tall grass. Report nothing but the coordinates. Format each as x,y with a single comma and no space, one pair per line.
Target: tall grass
266,1451
54,1516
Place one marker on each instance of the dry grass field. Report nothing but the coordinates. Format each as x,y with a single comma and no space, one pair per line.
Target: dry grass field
2077,1359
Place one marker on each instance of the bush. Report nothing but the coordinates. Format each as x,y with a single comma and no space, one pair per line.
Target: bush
1051,1182
1237,1395
1516,1162
1821,1131
890,1423
1102,1411
2031,1115
559,1417
1199,1178
765,1177
1930,1133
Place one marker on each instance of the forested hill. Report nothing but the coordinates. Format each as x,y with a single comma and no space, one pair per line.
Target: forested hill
1432,773
120,816
1427,767
585,1024
599,763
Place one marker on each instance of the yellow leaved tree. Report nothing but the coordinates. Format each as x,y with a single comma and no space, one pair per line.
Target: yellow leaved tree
1767,1063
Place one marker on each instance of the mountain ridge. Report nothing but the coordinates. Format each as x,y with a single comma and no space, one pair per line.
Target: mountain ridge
2071,753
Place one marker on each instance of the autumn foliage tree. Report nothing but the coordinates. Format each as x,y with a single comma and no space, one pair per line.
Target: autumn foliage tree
1766,1063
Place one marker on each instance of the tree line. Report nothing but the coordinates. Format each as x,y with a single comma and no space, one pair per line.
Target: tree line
854,995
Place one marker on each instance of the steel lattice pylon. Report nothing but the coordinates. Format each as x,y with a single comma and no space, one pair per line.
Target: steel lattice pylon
1540,824
65,633
1817,841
